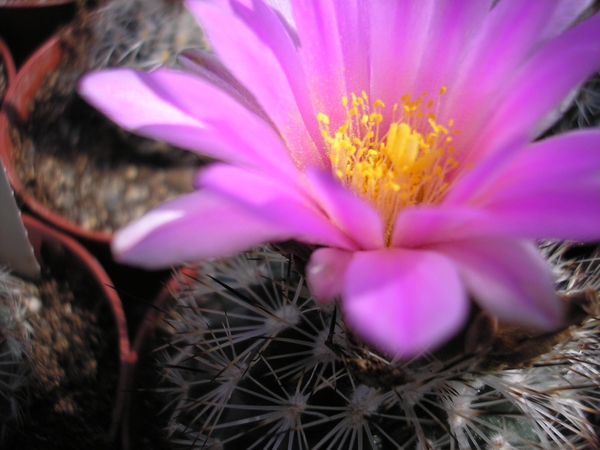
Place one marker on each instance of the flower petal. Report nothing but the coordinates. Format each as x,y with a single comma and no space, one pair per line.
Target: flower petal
252,41
207,65
403,301
326,271
423,226
514,45
284,7
353,15
539,86
450,35
399,31
321,55
508,278
509,35
197,226
348,212
277,202
566,13
186,111
549,190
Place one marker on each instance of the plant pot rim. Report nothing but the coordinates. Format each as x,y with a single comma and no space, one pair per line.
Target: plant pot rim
143,336
32,3
38,231
18,96
9,64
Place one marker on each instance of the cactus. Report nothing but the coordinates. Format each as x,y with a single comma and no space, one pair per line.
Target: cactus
582,110
587,103
18,300
252,361
143,34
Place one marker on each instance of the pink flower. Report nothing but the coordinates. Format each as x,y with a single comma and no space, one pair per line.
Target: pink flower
397,135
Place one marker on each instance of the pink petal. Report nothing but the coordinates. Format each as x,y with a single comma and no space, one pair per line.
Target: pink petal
186,111
540,85
255,45
471,181
566,13
322,55
403,301
399,31
509,35
564,159
505,38
276,201
495,66
570,212
326,272
337,57
508,278
563,213
346,211
206,65
353,15
453,25
197,226
423,226
549,190
283,7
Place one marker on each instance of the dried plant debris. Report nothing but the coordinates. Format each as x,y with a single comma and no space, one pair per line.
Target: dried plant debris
251,361
67,351
74,160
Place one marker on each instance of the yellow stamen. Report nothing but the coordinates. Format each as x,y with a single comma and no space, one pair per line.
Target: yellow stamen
407,165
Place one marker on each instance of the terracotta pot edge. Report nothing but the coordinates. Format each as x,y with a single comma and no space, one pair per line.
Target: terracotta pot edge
52,51
33,3
9,65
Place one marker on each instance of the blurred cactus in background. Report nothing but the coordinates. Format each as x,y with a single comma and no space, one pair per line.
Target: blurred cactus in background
144,34
18,300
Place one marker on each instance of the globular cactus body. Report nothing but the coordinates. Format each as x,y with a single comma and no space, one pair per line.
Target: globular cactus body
253,362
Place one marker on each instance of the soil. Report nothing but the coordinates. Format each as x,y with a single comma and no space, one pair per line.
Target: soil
75,161
73,365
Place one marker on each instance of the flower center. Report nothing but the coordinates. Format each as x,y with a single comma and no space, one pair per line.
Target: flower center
407,165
